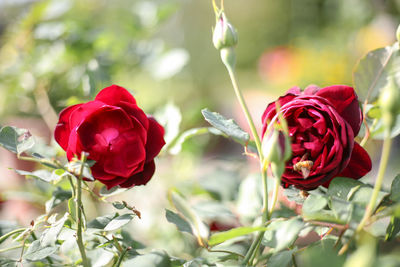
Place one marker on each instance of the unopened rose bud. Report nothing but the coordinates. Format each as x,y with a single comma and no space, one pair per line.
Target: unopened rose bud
275,147
224,34
389,102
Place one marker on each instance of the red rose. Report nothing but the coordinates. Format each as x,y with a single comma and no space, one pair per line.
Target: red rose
322,126
116,133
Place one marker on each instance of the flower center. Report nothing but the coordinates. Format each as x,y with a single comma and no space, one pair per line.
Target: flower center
109,134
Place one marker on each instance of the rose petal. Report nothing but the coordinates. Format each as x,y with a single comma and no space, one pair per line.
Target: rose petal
141,178
359,165
344,100
114,94
63,129
155,139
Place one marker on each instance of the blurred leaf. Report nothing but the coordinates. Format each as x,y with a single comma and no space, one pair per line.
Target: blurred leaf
282,234
72,208
395,189
100,257
59,195
49,236
199,229
374,71
11,233
170,118
239,231
176,146
321,253
128,241
152,259
102,221
44,175
211,182
314,203
293,194
119,221
119,205
249,200
180,223
365,253
15,139
7,226
36,252
281,259
112,192
229,127
393,228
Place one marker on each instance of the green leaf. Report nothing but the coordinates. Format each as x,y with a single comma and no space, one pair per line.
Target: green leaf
176,146
393,228
59,195
15,139
100,257
11,233
282,234
119,221
199,229
112,192
152,259
43,175
180,223
321,253
102,221
281,259
72,208
119,205
395,189
36,252
229,127
374,71
224,236
49,236
314,203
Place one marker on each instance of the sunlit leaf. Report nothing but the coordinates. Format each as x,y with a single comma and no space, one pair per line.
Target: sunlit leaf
281,259
199,229
36,252
119,222
227,126
180,223
236,232
15,139
374,71
152,259
281,234
49,236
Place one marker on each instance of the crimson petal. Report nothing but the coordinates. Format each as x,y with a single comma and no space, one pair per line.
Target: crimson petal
63,129
155,139
114,94
141,178
344,100
359,165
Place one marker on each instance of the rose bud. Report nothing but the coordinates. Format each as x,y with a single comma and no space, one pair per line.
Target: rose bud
121,139
389,102
224,34
275,148
322,124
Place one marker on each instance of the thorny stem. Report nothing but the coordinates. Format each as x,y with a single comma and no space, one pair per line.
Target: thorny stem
378,184
121,256
79,208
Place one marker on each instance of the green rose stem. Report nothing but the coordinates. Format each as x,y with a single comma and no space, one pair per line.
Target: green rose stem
228,58
378,184
224,39
79,207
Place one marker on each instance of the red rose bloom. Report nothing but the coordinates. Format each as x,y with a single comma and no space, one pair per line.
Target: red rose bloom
322,126
116,133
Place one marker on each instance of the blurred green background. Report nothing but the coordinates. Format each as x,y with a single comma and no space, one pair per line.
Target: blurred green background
61,52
